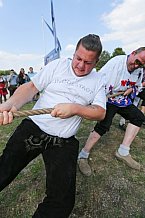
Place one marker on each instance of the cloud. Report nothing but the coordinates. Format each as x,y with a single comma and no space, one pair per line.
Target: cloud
70,47
9,61
69,50
126,23
1,3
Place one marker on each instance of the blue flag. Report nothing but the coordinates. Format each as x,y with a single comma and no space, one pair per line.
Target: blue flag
55,53
53,25
51,30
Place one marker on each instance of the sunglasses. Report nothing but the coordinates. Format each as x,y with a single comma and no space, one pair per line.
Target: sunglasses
140,65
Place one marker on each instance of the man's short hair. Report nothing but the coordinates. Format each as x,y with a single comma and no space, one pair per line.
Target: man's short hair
91,42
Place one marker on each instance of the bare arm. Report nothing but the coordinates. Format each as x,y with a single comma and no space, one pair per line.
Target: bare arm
22,95
91,112
128,91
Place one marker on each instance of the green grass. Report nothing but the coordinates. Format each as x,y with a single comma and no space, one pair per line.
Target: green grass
112,191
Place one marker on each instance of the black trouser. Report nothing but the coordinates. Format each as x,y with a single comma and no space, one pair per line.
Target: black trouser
142,96
131,113
60,158
1,100
12,89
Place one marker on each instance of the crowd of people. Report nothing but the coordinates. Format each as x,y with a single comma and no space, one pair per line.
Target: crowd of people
74,90
9,83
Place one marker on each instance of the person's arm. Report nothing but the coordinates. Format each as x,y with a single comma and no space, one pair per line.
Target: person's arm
91,112
128,91
22,95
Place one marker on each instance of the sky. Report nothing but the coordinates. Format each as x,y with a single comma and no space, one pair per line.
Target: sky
25,39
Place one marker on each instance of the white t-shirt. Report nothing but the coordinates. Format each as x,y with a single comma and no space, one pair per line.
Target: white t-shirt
59,84
117,78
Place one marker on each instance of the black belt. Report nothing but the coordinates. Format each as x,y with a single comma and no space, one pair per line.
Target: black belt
46,141
56,141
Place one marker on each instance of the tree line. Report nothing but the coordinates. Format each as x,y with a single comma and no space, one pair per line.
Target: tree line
106,56
4,72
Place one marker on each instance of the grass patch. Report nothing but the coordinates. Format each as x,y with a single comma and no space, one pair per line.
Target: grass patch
112,191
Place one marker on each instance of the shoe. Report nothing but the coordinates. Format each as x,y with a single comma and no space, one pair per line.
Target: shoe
129,161
84,166
122,127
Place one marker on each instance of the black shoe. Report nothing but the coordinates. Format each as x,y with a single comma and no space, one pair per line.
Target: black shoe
122,127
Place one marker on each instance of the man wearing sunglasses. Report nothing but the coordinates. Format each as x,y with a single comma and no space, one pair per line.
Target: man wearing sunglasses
123,74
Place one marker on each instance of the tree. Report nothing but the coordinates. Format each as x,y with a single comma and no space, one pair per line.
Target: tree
104,57
117,51
4,72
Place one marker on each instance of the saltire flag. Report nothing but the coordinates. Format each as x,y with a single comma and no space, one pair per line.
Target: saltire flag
53,25
55,53
51,30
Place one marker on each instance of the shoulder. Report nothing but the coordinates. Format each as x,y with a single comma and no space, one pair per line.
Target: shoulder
97,76
117,59
58,64
114,63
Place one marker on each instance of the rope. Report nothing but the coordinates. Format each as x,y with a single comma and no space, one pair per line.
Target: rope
32,112
47,110
25,113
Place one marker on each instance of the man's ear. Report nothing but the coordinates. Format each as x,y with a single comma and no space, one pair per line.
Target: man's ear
133,52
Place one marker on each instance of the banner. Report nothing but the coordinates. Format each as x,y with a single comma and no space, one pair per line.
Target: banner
55,53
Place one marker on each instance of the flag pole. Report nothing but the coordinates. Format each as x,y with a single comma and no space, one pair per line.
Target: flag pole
44,45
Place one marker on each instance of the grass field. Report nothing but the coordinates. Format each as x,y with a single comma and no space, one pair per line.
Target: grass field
112,191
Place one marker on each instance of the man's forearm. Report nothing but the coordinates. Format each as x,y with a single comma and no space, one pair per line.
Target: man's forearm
22,95
91,112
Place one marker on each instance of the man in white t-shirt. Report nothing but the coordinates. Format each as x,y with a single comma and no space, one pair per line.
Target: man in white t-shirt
123,73
74,91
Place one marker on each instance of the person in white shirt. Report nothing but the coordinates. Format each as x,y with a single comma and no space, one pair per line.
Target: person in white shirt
75,91
123,73
30,74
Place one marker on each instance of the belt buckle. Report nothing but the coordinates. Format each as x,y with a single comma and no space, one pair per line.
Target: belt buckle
57,142
48,139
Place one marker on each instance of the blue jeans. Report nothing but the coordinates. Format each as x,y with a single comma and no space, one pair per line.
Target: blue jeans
60,159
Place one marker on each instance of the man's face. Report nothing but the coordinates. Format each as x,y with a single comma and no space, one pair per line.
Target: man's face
31,69
84,61
136,61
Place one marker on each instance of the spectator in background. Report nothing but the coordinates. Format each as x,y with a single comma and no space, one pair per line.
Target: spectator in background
12,80
3,89
31,73
22,77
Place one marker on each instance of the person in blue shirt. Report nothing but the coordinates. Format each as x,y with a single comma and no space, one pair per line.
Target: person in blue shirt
12,81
